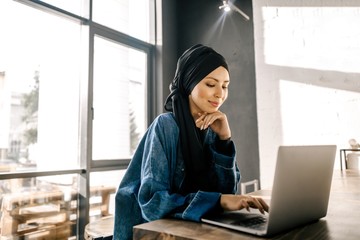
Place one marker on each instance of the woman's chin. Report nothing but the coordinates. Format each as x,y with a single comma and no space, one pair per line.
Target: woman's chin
211,110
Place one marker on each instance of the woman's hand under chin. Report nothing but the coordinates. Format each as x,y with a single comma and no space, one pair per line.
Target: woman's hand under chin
217,121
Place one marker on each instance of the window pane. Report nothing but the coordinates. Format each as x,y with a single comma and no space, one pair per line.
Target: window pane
103,186
39,207
74,6
39,89
127,16
119,99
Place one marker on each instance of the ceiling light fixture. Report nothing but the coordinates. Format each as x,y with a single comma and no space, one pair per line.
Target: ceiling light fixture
227,6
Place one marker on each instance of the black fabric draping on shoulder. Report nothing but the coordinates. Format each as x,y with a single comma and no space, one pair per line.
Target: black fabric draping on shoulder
192,66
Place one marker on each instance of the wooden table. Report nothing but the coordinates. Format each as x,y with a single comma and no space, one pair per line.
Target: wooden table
341,222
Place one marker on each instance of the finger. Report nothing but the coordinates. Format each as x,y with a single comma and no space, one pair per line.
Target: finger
210,119
200,120
245,204
206,123
199,123
201,116
256,204
203,120
264,204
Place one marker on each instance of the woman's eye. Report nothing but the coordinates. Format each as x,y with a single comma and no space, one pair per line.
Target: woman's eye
224,87
210,85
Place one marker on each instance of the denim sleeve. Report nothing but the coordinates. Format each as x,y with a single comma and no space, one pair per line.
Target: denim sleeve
155,195
226,169
201,203
162,203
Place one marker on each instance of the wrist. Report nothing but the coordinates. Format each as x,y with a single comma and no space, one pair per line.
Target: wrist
224,137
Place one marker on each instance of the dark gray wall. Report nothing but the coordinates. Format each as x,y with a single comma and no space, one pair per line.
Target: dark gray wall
188,22
167,50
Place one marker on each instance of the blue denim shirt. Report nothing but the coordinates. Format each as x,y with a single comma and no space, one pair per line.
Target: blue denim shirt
148,190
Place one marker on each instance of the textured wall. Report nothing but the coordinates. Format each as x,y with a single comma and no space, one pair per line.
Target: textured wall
307,75
201,21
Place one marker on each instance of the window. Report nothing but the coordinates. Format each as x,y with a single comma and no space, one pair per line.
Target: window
118,99
76,96
40,58
130,17
77,7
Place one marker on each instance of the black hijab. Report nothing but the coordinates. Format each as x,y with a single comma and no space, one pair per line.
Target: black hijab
193,65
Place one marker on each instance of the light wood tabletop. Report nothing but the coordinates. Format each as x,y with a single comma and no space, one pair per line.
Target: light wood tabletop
342,220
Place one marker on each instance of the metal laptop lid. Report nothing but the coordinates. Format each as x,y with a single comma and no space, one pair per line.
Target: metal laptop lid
301,186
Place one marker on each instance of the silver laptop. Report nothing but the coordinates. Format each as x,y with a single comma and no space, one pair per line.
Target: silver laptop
300,193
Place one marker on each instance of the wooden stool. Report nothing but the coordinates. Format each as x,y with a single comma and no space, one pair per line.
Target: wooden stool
101,229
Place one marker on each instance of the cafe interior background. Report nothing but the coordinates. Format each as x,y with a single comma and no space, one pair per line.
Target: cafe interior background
80,81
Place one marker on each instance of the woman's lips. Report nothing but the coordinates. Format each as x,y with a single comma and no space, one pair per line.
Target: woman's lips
215,104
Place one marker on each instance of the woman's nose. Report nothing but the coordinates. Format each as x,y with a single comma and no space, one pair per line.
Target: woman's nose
219,93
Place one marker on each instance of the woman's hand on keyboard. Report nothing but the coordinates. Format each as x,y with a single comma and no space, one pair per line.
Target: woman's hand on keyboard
231,202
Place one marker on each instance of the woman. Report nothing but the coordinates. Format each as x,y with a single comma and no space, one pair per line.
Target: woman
185,166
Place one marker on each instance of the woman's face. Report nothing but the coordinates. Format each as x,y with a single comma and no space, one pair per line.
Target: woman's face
210,93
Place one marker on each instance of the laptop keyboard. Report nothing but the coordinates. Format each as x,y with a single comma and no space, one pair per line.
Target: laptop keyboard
255,222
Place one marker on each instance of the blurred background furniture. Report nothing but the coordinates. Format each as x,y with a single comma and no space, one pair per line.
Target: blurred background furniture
351,160
47,214
245,185
101,229
344,157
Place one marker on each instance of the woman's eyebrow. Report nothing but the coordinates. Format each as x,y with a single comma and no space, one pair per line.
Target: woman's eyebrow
218,79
